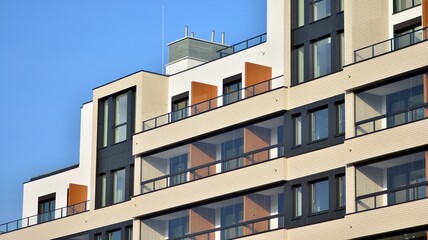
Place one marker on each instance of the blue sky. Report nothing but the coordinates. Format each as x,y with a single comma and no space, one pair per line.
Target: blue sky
54,52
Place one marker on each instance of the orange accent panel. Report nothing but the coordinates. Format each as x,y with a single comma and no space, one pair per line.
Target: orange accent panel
202,92
256,206
255,74
77,197
426,168
202,219
424,13
201,153
256,138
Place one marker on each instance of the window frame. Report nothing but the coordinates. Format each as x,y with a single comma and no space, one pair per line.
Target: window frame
313,197
118,198
312,125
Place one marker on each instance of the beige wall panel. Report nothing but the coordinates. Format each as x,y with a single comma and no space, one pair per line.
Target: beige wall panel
316,161
261,174
327,230
386,219
386,141
366,23
349,115
316,90
350,189
380,68
287,44
210,121
279,234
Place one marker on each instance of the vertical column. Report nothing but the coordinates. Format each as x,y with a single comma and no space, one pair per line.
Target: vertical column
256,76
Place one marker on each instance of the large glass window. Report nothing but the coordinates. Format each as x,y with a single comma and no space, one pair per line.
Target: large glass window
119,186
103,190
319,124
342,49
321,9
319,196
297,132
105,124
341,192
297,192
389,105
231,215
301,64
321,57
178,227
46,208
115,235
392,181
121,114
230,151
300,13
231,92
178,164
400,5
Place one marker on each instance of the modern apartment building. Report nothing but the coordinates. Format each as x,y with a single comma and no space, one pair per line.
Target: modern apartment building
316,129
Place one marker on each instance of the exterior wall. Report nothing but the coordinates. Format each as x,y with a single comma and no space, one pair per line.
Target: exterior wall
59,183
181,65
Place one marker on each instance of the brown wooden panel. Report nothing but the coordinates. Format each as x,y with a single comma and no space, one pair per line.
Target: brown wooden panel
202,92
202,219
424,13
256,138
256,206
201,153
255,74
77,197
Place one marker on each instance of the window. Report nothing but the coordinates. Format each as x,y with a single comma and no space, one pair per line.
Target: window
297,132
396,180
178,164
179,108
340,111
321,9
119,186
103,189
178,227
120,118
105,124
342,49
319,196
231,215
341,192
300,13
319,124
341,5
129,233
229,150
98,237
114,235
400,5
301,64
231,92
321,57
297,191
46,208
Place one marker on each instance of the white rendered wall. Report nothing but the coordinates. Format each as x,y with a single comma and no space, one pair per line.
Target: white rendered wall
402,16
59,183
269,54
182,64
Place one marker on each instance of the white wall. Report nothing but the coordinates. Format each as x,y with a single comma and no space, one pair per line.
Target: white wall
59,183
402,16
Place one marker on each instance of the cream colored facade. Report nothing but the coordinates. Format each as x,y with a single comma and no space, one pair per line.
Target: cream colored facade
261,183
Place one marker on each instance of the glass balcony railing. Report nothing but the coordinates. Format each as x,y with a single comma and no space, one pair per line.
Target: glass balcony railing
44,217
213,168
391,45
239,95
390,120
242,45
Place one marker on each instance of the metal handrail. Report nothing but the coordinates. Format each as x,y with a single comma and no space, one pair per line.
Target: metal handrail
234,48
391,45
388,115
37,219
208,165
241,224
213,103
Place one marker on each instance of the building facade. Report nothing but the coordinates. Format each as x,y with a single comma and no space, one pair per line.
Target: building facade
316,129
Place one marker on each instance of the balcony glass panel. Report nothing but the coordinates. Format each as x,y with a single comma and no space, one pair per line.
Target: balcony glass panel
389,105
227,151
392,181
227,219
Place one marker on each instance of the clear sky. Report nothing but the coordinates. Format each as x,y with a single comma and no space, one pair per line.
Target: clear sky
54,52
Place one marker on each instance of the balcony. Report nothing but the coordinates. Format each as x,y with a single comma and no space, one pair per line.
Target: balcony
391,45
217,102
242,45
44,217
